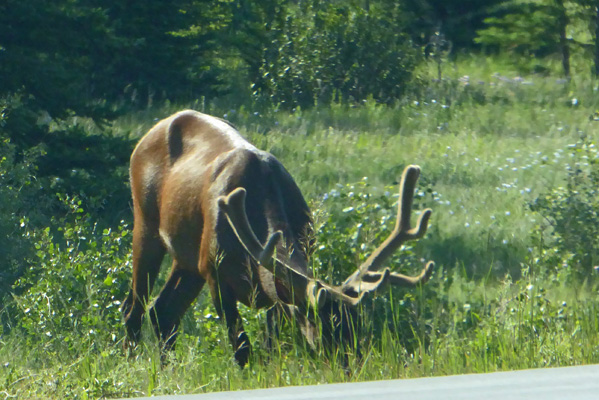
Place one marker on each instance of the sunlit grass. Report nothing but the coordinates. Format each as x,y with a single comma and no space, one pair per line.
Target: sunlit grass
480,328
487,146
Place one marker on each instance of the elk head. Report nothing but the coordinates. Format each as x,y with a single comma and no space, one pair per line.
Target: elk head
336,305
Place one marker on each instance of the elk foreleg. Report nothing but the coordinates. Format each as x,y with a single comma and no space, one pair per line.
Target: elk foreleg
273,322
226,306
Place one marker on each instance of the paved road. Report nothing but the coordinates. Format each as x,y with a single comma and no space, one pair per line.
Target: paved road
579,383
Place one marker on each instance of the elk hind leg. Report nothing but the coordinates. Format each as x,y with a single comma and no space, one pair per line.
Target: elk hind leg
148,252
180,290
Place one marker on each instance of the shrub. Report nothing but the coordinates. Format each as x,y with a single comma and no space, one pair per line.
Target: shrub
20,206
323,53
358,218
571,215
76,280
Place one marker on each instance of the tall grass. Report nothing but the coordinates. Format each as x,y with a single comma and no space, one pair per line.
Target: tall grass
488,145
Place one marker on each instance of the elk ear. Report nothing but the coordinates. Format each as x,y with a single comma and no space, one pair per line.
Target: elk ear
316,294
322,298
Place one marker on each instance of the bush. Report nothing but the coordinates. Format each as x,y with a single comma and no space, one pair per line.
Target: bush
71,156
36,162
19,197
358,218
571,213
76,280
331,52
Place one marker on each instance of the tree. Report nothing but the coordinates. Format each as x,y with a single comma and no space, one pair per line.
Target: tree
89,58
542,27
596,39
173,56
72,56
588,10
457,20
46,56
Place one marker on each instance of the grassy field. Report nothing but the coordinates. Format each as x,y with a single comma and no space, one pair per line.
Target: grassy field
489,144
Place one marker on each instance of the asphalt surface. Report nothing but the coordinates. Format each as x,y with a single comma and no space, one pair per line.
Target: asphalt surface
579,383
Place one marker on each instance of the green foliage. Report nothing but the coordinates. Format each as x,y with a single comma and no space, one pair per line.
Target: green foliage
328,52
17,191
487,144
458,20
514,324
21,207
358,218
572,213
76,280
171,57
73,56
69,68
352,220
71,157
528,29
500,298
524,27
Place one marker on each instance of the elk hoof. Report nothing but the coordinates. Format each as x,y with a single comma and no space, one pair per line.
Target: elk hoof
242,354
133,333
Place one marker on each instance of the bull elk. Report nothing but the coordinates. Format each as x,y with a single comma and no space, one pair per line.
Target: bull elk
231,216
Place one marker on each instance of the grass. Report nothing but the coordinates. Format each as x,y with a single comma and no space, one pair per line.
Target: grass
479,329
488,146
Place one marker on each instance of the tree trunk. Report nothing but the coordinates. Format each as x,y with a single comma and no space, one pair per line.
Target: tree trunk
563,40
596,38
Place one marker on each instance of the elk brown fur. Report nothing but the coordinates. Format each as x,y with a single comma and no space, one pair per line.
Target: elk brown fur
232,217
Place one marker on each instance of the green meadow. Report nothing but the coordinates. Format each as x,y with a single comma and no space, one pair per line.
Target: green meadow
509,166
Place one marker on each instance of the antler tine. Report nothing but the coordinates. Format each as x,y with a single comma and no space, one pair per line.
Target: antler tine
397,279
233,207
402,233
